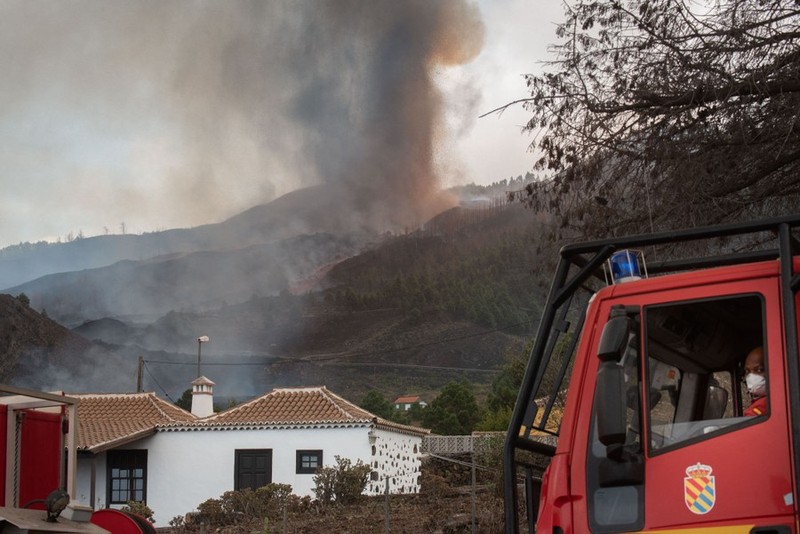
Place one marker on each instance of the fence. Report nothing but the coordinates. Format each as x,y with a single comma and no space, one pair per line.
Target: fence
447,444
477,442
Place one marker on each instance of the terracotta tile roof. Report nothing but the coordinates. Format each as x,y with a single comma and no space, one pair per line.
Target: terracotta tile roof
109,420
106,421
408,399
301,407
295,406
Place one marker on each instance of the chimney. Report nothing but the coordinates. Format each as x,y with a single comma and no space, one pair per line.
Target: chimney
202,396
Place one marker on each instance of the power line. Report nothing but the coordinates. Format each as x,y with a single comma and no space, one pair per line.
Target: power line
171,362
415,366
157,383
324,357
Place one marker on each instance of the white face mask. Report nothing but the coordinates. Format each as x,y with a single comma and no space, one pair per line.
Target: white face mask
756,384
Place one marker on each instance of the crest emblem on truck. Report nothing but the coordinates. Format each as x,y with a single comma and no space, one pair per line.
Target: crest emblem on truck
699,488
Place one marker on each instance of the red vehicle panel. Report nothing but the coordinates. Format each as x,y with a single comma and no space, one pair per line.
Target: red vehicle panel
40,457
657,432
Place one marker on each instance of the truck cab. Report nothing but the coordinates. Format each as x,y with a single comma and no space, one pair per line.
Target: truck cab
636,390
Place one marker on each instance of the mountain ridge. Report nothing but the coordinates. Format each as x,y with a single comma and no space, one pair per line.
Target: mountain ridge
396,313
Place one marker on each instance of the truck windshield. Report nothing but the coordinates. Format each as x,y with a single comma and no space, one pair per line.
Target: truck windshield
695,354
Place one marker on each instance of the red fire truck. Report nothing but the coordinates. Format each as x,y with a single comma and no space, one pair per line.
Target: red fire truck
636,390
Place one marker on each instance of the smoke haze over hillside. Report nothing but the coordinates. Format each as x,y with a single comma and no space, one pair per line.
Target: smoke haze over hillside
222,105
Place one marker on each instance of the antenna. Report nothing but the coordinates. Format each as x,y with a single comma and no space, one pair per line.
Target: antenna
200,341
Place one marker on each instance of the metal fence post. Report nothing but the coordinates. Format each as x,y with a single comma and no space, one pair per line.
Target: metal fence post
386,507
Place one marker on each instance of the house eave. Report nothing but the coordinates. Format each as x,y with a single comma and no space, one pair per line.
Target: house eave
384,424
289,425
117,442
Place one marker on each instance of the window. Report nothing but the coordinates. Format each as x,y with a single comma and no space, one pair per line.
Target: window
253,468
695,364
308,461
127,476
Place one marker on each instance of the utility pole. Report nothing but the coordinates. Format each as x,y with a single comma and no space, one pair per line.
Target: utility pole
139,388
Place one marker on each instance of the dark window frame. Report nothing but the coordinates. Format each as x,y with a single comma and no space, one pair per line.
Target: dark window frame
128,460
302,469
238,468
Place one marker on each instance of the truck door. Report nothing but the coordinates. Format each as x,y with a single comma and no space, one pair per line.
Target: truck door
669,444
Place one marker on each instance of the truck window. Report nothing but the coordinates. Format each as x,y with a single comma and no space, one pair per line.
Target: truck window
695,353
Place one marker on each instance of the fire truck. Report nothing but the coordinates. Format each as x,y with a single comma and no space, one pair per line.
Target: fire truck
635,391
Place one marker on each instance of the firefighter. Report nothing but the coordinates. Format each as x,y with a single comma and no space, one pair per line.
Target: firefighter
756,382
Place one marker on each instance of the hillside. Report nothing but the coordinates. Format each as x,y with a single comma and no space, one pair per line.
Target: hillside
408,313
40,353
198,281
298,213
411,314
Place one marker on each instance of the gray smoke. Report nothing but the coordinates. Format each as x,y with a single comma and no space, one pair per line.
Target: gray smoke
217,106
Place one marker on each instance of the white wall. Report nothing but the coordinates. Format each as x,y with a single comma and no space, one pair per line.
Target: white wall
83,481
185,468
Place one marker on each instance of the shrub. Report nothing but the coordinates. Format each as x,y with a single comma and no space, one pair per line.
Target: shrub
434,486
139,508
325,484
344,483
236,505
272,498
298,505
212,513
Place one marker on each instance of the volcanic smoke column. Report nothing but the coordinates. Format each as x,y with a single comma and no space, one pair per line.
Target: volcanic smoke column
189,111
372,103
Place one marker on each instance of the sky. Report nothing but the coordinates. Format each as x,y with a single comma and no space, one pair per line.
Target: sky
139,116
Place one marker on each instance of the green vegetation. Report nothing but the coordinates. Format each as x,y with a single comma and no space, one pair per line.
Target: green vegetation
503,393
235,506
185,401
454,412
342,484
139,508
486,281
378,404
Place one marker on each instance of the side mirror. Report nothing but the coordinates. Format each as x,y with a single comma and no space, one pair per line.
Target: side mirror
614,338
610,400
610,391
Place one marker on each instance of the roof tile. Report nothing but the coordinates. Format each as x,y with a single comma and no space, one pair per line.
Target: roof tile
315,405
107,420
110,420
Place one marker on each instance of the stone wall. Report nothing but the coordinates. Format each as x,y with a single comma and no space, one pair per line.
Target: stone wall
396,457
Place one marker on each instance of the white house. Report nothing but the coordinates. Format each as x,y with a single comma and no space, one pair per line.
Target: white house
140,447
405,402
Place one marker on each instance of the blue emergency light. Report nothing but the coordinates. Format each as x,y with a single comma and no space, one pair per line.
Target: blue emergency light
626,265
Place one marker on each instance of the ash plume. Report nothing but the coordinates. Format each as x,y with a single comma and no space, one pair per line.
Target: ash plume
178,113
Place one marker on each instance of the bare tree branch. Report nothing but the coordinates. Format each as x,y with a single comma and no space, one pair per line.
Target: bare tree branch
663,112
